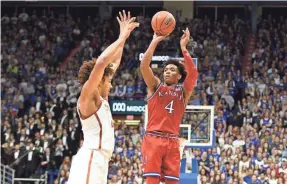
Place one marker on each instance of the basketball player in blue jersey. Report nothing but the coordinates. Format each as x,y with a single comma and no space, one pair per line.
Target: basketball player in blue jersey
90,165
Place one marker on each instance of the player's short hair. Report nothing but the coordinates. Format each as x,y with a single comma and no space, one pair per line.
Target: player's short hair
86,69
180,67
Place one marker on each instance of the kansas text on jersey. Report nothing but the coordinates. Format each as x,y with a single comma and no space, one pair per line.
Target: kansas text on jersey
165,109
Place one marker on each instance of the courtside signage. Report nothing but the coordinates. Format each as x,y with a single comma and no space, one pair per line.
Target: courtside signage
155,58
126,107
165,58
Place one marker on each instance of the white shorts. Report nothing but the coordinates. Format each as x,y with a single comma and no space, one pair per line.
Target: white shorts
89,167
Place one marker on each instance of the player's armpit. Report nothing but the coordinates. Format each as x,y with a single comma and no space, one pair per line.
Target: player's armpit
192,75
89,101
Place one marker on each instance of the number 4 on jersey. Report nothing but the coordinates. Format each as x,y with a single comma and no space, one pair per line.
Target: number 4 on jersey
169,107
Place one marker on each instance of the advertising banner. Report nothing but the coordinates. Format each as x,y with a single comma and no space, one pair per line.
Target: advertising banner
127,107
162,58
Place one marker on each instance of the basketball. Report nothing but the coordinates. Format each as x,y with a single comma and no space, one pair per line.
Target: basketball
163,23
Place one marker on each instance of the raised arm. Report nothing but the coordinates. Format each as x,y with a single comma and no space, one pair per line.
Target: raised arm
190,67
150,79
102,62
109,55
118,57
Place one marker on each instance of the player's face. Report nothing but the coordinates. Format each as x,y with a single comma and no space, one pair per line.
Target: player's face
106,86
171,74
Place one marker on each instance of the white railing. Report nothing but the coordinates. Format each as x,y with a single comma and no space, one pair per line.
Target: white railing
42,180
7,175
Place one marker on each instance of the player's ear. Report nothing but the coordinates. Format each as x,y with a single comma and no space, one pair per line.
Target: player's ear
179,77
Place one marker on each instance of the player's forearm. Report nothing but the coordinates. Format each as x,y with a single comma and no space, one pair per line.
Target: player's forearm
109,53
147,58
191,70
117,58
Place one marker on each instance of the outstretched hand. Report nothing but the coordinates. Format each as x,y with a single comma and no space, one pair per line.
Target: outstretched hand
158,38
127,24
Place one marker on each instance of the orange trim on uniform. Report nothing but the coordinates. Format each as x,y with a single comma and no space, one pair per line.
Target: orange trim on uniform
89,168
86,117
100,124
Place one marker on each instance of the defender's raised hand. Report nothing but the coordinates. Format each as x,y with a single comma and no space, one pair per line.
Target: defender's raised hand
127,24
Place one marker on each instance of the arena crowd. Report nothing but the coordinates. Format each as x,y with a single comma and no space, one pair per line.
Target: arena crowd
38,106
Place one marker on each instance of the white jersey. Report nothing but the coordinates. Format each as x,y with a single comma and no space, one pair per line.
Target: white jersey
98,129
91,163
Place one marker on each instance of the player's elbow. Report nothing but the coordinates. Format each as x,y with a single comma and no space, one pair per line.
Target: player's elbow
189,83
101,60
192,76
194,73
191,72
143,66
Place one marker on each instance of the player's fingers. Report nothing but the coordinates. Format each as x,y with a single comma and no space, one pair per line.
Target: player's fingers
163,37
119,21
121,16
125,16
132,20
184,34
136,24
129,15
187,32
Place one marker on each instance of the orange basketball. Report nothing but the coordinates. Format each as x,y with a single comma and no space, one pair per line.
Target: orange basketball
163,23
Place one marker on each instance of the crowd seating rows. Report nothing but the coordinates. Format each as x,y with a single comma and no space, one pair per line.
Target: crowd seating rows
38,107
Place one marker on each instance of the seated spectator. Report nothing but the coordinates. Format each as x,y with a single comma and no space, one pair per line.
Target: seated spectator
130,89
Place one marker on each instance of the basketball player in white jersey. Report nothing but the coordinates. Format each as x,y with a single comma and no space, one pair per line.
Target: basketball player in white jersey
90,164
